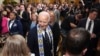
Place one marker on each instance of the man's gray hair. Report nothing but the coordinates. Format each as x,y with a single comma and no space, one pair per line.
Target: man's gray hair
44,13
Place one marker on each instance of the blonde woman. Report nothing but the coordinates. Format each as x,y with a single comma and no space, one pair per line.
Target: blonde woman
16,46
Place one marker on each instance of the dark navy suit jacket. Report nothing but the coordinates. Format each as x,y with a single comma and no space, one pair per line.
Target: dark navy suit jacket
16,27
32,41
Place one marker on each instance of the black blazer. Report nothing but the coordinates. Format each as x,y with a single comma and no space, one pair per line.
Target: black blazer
24,21
16,27
32,41
56,34
24,15
96,29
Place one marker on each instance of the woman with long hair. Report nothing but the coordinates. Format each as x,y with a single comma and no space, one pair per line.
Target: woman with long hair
16,46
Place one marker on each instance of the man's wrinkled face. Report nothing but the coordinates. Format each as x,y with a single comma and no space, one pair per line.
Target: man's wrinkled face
43,22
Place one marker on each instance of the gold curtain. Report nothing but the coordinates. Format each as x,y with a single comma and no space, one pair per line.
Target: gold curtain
52,1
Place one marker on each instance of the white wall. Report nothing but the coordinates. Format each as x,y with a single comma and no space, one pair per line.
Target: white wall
1,1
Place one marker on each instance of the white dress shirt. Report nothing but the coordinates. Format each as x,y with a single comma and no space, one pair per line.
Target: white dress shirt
21,14
11,23
92,25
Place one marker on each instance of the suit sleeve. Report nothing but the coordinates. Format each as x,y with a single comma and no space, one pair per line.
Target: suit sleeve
98,28
79,24
30,41
56,35
20,28
65,24
25,16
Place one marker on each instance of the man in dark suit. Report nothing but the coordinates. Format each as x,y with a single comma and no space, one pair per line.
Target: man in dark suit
55,29
24,19
15,26
40,38
92,25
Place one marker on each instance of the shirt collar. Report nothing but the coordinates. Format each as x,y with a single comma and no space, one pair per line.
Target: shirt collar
89,19
12,20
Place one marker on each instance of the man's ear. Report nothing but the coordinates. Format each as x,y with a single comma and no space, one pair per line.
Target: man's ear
84,51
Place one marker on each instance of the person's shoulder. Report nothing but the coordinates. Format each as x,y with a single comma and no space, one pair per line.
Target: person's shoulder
83,19
5,18
97,19
34,29
17,20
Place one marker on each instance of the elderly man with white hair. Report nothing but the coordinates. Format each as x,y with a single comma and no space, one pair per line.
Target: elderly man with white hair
40,38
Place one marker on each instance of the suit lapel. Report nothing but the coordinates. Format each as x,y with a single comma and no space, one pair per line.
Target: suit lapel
13,24
23,13
9,24
84,23
95,25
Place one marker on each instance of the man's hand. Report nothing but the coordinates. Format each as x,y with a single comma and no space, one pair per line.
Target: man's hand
93,35
73,25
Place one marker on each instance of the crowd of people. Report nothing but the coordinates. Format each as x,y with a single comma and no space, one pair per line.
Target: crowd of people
40,24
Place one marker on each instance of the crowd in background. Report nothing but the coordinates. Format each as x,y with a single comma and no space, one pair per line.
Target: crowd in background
63,10
21,18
